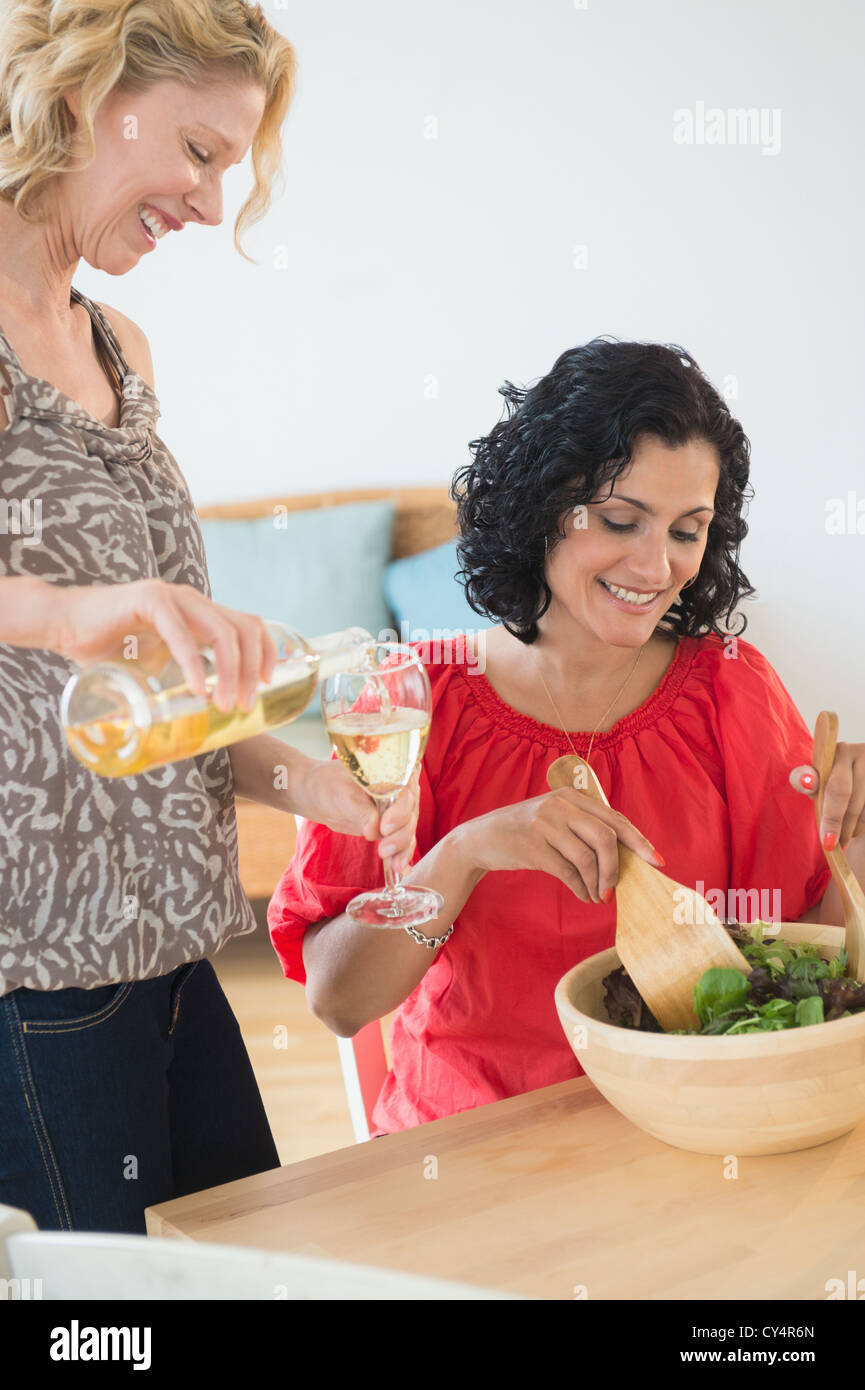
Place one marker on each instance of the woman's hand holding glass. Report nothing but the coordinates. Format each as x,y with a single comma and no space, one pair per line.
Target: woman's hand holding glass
333,798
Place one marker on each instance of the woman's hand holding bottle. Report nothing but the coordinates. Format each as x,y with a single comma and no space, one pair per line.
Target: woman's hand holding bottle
89,623
94,621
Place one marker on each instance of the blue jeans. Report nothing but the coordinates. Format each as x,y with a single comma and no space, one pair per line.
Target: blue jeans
114,1098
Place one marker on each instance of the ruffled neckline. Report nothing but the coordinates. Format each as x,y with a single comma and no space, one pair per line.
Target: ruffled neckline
36,398
651,710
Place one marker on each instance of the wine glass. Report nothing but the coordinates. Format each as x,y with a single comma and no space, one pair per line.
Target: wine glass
378,719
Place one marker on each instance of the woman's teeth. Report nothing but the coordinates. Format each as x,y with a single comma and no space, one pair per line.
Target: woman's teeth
630,596
154,224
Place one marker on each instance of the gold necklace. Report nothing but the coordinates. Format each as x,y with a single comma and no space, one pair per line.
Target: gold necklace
603,716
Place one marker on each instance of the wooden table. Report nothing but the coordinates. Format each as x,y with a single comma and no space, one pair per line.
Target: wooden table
555,1195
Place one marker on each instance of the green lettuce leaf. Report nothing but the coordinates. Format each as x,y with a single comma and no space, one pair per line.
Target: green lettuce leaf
717,991
809,1011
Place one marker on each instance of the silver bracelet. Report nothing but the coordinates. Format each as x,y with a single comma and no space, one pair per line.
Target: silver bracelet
429,941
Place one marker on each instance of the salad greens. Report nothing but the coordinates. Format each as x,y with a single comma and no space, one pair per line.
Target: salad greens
790,986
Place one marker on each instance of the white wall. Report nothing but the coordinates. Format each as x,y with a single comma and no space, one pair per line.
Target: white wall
453,257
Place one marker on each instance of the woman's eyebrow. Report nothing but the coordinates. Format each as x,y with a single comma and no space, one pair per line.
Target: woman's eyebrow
644,506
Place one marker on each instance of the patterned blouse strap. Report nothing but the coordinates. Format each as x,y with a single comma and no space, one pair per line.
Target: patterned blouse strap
106,335
11,372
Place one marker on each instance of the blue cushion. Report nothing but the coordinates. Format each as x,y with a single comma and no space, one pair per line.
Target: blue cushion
317,571
426,598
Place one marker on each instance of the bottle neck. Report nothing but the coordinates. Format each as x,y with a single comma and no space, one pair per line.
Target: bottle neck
341,651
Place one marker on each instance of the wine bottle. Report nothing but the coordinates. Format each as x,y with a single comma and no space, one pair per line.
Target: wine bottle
123,717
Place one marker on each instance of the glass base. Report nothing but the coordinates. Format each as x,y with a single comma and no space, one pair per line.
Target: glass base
405,907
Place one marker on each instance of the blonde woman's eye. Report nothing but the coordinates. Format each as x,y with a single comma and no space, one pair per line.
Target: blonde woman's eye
196,153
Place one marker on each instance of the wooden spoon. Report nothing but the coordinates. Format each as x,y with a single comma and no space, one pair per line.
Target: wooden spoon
666,934
852,896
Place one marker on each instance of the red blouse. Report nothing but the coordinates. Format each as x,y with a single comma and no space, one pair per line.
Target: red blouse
701,768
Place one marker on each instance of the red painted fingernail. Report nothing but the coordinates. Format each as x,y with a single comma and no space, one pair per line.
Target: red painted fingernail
605,897
807,779
830,840
659,859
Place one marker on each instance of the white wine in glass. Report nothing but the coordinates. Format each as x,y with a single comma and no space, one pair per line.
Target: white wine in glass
378,719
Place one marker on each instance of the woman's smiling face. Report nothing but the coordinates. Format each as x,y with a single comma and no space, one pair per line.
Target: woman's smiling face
649,546
162,151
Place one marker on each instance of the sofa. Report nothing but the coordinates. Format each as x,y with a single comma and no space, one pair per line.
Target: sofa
380,558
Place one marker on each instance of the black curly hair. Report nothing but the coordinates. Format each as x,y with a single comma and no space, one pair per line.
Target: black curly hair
561,441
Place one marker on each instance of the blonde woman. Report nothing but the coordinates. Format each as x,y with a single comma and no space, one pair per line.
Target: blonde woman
123,1077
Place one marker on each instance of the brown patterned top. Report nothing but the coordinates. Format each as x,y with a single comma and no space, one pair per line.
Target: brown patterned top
102,880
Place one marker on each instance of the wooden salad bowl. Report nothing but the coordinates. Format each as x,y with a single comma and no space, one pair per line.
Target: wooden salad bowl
758,1093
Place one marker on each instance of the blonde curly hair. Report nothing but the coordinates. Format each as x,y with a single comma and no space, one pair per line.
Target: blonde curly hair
49,47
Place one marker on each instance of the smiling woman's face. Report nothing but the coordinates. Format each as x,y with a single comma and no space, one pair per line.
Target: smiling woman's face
665,523
163,152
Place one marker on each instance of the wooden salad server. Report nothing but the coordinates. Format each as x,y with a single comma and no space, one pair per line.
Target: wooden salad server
852,896
666,934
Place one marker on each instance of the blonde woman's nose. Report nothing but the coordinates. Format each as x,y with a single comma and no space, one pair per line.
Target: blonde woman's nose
205,206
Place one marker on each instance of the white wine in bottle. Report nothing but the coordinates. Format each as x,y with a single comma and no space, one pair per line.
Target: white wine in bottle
123,717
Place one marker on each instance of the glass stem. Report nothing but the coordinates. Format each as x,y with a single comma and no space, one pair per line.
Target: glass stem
391,877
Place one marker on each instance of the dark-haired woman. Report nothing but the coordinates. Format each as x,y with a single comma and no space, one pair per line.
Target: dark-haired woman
600,524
